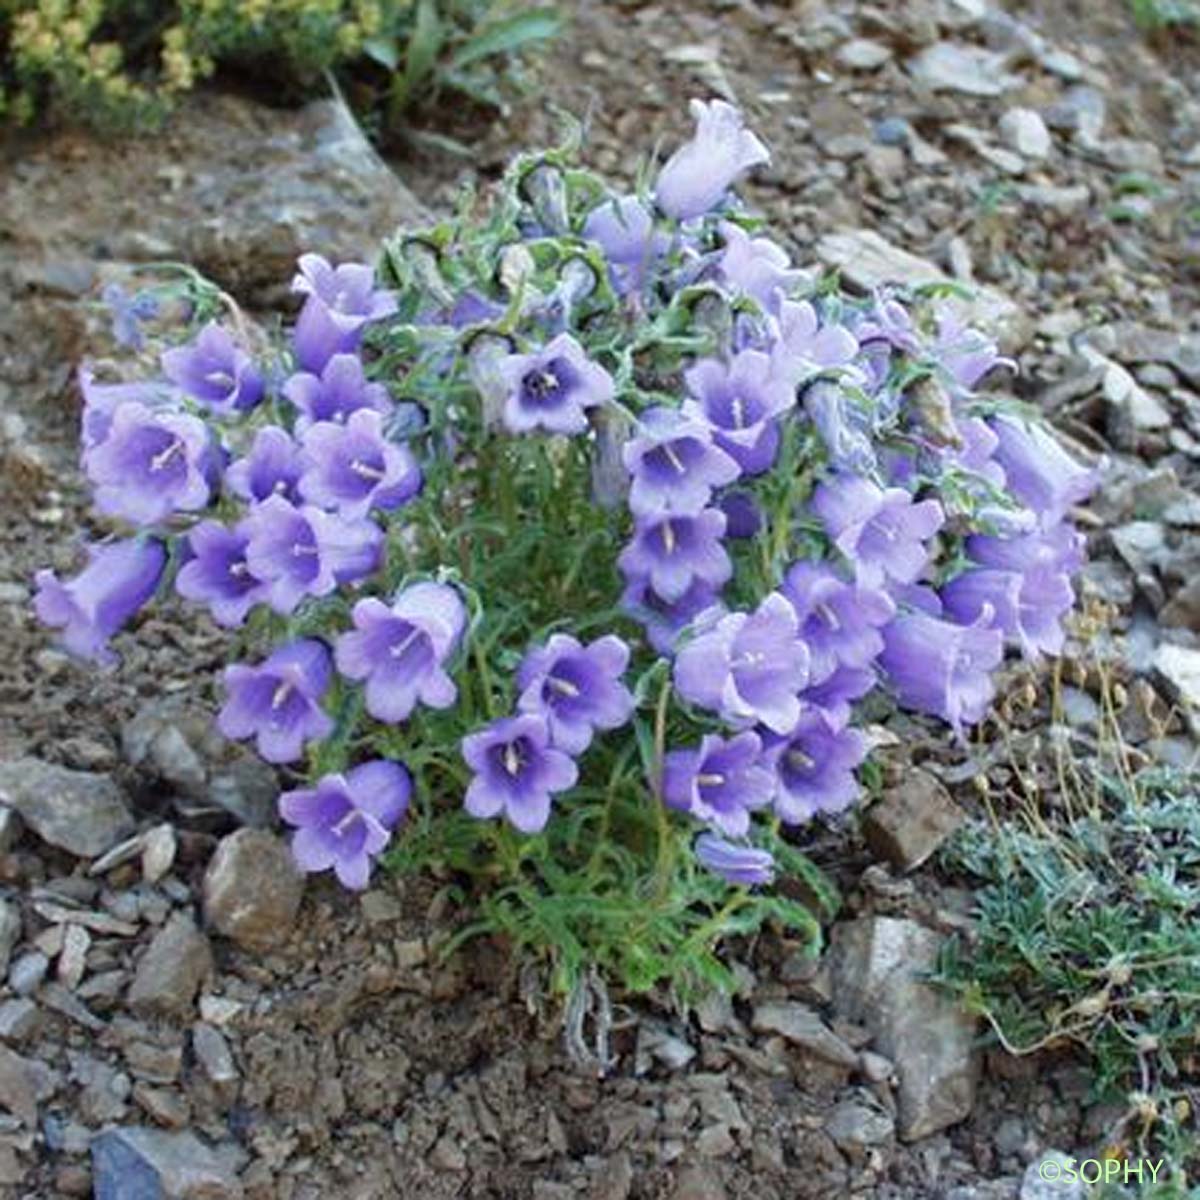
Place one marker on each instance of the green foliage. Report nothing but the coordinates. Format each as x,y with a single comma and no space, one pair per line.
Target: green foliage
117,63
1164,14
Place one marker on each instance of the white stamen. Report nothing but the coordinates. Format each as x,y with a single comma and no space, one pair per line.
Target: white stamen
348,820
512,759
366,471
219,379
397,650
161,459
800,760
563,686
704,780
668,537
673,458
300,550
738,408
282,692
829,617
238,569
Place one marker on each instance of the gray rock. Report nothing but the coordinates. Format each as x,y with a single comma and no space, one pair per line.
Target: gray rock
150,1164
1025,131
950,67
1131,342
11,828
252,889
1178,668
10,932
838,128
857,1123
1081,111
26,974
171,970
1128,154
911,820
77,811
877,964
699,1182
24,1083
657,1042
802,1027
862,54
1036,1186
19,1019
213,1054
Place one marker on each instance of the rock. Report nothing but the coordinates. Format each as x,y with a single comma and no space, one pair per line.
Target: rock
448,1155
24,1082
950,67
866,261
862,54
1001,159
877,964
72,959
802,1027
171,970
911,820
158,852
1065,200
1081,112
10,932
1043,1178
214,1056
19,1019
11,828
715,1141
1128,154
838,128
1133,343
26,974
1178,668
76,811
150,1164
699,1182
252,889
1026,132
163,1105
105,1090
855,1124
656,1042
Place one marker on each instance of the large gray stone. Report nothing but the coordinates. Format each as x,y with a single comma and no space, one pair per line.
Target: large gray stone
1178,667
950,67
171,970
877,966
252,889
78,811
150,1164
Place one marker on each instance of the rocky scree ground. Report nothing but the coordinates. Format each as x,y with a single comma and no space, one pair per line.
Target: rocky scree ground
183,1016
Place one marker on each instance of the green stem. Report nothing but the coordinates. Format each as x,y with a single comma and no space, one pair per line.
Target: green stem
666,840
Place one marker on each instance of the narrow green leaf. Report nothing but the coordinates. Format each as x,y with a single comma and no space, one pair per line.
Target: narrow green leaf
424,46
509,35
385,51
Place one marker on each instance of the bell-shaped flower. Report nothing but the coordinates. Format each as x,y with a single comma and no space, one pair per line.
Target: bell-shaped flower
215,370
278,703
883,533
1027,605
217,574
741,865
743,515
675,552
664,620
517,771
802,347
101,400
835,696
742,400
118,580
696,177
965,354
674,463
756,267
844,427
1039,472
271,468
303,551
1058,548
719,782
553,388
151,463
577,688
401,649
941,668
353,468
840,622
340,302
624,229
339,390
346,820
748,667
814,767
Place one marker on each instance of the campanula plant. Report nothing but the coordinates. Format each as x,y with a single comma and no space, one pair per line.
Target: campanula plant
566,548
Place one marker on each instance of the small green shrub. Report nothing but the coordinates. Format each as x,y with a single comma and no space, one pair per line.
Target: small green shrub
118,63
1161,14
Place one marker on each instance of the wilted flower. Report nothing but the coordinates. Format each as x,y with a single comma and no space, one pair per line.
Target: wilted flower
278,703
119,578
756,267
339,390
1027,605
151,464
128,313
741,400
843,426
215,370
749,667
665,620
675,552
346,820
719,782
516,771
354,468
1039,472
741,865
218,574
553,388
814,767
883,533
698,174
941,668
674,463
306,552
341,302
401,649
577,688
272,467
624,230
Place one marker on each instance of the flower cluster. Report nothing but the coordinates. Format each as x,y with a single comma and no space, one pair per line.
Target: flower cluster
600,480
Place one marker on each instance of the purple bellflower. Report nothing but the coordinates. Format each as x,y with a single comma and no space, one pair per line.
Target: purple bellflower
840,622
339,390
577,688
1027,605
1039,472
151,464
215,370
128,313
553,388
835,695
353,468
741,400
749,667
675,552
665,620
101,400
218,574
306,552
814,767
624,230
272,467
755,266
401,649
743,516
340,302
278,703
802,347
1058,548
883,533
118,580
516,771
720,782
674,463
940,668
696,177
742,866
346,820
